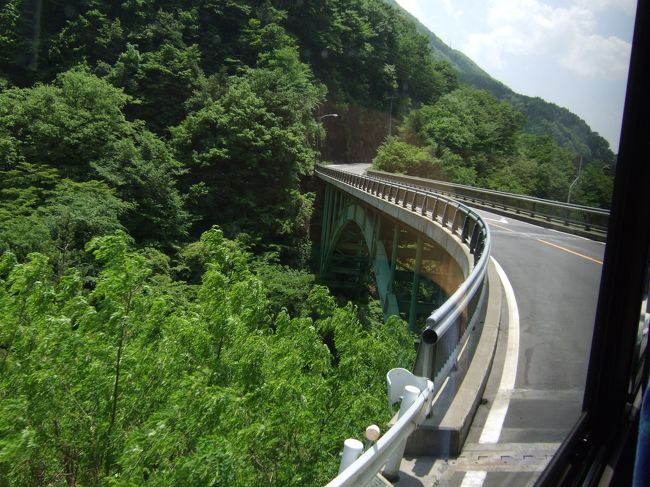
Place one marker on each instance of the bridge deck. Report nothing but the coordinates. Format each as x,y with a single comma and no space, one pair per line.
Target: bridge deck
555,277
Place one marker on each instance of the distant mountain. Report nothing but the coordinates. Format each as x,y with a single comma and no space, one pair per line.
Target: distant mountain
543,118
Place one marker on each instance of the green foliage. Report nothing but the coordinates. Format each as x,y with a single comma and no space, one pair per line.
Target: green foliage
144,171
286,288
595,187
161,81
90,37
9,22
66,124
469,121
478,141
457,170
47,214
402,157
142,381
77,126
247,150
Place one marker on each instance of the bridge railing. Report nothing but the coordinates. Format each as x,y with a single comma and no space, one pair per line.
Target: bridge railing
447,329
372,461
569,215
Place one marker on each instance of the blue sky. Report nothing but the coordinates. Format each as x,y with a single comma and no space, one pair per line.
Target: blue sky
574,53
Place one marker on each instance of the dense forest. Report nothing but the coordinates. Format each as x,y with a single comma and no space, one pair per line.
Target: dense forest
470,137
541,117
160,323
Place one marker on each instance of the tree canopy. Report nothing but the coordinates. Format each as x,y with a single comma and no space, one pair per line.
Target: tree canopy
146,380
469,137
159,320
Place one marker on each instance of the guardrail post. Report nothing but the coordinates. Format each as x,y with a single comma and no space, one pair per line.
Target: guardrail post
435,207
443,222
352,449
465,232
391,470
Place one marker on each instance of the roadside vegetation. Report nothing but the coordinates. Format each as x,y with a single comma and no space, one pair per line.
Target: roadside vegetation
469,137
160,321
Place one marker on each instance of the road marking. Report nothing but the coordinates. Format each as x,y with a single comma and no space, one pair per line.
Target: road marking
571,251
494,422
501,220
502,228
496,416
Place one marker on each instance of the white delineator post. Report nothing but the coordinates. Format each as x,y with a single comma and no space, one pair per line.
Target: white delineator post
391,470
351,450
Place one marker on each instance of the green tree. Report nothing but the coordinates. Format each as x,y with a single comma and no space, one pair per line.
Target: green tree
160,81
247,150
397,156
141,380
595,187
77,126
469,121
90,37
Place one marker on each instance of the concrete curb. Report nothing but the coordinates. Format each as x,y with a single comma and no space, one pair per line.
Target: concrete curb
444,432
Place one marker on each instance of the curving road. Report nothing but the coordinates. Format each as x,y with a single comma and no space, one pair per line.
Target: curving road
555,278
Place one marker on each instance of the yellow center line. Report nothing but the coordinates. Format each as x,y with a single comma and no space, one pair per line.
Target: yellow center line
570,251
502,228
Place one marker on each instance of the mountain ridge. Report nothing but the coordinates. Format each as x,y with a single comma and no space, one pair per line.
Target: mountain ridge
543,117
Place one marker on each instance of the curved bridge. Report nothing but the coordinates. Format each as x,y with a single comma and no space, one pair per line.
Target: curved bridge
556,277
438,247
416,264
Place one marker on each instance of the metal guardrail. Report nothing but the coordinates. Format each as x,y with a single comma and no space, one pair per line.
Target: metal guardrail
565,214
459,313
366,467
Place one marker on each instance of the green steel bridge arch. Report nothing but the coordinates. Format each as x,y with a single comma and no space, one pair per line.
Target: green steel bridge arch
413,274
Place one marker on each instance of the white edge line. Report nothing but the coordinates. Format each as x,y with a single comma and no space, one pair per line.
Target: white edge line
496,416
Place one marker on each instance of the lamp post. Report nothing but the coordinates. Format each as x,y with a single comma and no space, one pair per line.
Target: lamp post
390,115
334,115
568,198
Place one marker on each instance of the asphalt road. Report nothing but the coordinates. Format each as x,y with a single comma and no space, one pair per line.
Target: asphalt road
555,278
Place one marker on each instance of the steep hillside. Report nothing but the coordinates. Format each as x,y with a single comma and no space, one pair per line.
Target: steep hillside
543,118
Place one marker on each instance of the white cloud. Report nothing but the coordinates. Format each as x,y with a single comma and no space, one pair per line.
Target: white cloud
534,28
448,6
597,56
627,6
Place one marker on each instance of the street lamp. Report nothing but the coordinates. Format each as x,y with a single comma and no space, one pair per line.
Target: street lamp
568,198
321,118
390,115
